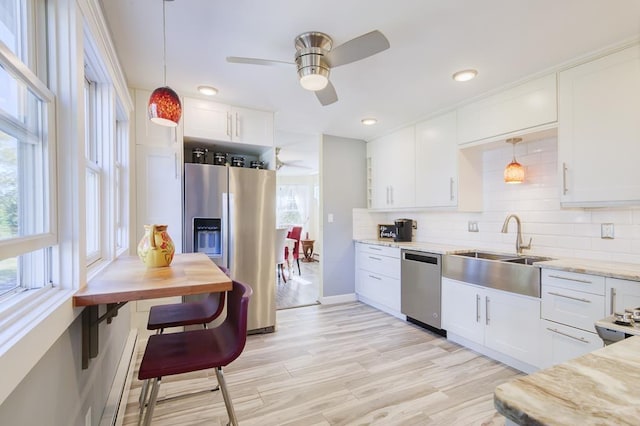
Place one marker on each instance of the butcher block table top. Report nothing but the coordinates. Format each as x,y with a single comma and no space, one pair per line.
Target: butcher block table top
129,279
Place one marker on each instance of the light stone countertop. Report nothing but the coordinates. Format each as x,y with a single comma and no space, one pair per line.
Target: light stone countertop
599,388
624,271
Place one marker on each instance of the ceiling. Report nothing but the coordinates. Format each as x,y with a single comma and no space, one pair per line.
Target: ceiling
505,40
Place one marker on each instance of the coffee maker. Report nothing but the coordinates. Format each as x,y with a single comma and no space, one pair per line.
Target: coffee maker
404,229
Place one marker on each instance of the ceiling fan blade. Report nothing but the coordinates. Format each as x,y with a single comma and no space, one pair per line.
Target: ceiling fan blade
358,48
328,95
256,61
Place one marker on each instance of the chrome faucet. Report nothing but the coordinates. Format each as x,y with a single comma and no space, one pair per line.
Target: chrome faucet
505,228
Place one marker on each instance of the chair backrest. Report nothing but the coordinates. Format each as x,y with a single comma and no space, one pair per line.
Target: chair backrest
236,320
295,234
281,244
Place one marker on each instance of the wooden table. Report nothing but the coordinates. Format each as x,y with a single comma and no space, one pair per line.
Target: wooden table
307,249
128,279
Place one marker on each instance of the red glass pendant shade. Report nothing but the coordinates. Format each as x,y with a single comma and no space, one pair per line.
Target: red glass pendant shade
165,107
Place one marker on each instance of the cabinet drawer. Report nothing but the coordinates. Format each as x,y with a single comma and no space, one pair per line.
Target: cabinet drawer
570,307
379,289
574,281
383,265
379,250
562,343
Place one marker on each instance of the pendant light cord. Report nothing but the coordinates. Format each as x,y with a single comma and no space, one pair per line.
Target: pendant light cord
164,42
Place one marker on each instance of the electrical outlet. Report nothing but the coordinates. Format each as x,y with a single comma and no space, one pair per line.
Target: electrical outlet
472,226
330,218
606,231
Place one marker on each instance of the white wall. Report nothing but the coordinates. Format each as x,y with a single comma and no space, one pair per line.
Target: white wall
555,231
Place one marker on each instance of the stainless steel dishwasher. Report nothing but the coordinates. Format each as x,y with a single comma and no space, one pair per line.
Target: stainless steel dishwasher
421,277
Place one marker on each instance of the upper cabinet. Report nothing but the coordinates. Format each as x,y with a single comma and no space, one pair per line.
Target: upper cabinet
206,120
599,131
391,168
524,108
445,175
150,134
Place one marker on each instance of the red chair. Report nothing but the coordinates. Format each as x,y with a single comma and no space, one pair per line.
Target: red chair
188,351
294,234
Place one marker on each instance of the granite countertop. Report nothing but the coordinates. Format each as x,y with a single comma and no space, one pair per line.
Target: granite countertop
624,271
599,388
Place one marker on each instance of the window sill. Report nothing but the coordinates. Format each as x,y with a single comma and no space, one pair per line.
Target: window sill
27,336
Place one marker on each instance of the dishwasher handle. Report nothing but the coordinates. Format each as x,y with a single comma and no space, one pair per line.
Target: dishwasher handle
421,258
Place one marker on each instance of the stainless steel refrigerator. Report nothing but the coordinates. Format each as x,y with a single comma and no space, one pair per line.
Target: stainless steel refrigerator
229,214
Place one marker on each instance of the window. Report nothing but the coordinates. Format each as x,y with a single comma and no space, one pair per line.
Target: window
93,172
27,160
121,197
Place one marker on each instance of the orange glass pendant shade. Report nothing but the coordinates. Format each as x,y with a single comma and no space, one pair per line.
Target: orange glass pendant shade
164,107
514,172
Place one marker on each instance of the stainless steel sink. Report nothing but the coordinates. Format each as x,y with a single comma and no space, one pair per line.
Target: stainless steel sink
506,272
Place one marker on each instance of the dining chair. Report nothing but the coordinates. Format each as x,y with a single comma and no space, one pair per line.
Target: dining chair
281,244
294,234
196,350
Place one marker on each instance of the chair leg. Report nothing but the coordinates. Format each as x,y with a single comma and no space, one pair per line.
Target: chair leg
227,399
298,261
144,391
152,402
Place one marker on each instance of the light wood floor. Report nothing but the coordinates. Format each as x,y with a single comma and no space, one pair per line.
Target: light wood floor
301,289
340,365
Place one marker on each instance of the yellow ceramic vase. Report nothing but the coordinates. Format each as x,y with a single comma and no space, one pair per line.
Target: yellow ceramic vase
156,247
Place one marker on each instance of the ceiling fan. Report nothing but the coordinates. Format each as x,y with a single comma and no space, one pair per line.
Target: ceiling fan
280,164
315,57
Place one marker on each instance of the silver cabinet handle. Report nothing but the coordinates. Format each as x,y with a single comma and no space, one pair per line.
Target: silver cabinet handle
229,124
391,192
477,308
451,189
486,314
579,299
375,278
564,179
579,339
613,301
374,258
387,195
237,125
375,248
175,162
571,279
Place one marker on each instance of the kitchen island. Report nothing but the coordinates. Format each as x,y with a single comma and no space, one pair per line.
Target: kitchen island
599,388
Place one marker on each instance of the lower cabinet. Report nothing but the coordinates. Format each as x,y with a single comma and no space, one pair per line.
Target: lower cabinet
378,277
561,343
503,322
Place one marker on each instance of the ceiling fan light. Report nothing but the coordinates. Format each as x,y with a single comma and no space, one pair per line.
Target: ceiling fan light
164,107
465,75
314,82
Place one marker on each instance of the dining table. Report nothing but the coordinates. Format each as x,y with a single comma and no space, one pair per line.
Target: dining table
129,279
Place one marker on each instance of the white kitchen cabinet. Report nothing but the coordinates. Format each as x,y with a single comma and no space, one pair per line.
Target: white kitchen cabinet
599,130
571,303
503,322
524,108
391,159
621,294
214,121
378,277
445,176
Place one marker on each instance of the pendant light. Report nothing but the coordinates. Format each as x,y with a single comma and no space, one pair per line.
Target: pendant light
514,172
164,104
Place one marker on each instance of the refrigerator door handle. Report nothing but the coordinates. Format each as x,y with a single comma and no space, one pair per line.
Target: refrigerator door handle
226,252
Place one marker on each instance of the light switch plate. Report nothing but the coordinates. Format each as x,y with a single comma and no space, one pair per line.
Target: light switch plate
606,231
330,218
472,226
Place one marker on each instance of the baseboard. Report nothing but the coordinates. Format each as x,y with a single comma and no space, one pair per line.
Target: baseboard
113,414
341,298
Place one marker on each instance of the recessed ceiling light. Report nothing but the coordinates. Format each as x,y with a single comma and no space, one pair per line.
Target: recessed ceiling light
368,121
465,75
208,90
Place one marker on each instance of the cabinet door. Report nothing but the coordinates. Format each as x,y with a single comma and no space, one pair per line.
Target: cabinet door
436,162
159,190
622,294
599,130
206,120
393,169
561,343
513,325
380,289
462,310
148,133
251,126
528,105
